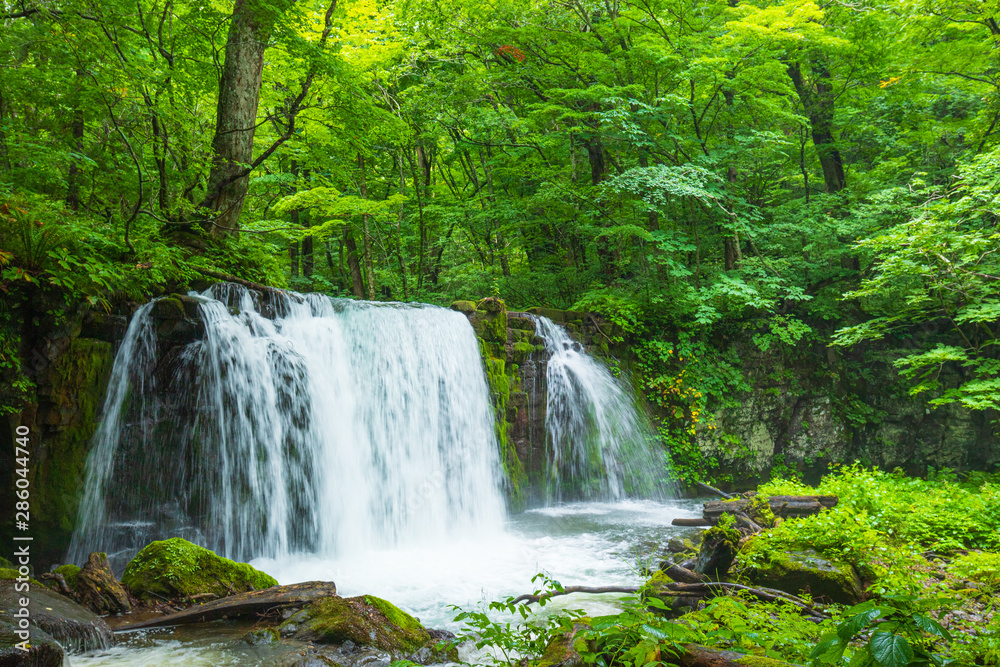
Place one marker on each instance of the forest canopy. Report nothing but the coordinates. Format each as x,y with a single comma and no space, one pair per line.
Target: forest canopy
794,173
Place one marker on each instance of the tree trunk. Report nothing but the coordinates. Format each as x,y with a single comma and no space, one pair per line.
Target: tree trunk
365,233
236,114
819,102
357,284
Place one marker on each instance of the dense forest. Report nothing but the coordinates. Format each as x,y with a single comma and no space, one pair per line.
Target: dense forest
788,174
779,219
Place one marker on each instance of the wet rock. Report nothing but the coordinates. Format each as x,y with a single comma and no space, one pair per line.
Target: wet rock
262,637
97,588
369,622
176,568
805,572
467,307
44,652
73,626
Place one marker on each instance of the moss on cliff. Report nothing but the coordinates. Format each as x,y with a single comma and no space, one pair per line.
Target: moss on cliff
69,412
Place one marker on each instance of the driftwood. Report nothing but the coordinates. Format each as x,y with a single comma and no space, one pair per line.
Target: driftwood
693,523
700,590
682,574
712,489
98,589
60,580
243,605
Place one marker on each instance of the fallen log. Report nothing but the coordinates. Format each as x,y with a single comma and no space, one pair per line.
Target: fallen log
781,506
682,574
712,489
692,523
696,655
242,605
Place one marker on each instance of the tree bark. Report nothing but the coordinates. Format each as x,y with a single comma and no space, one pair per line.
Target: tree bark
236,113
819,102
366,234
357,283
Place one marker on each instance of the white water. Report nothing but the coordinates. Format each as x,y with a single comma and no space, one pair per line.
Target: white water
601,447
354,442
301,424
587,543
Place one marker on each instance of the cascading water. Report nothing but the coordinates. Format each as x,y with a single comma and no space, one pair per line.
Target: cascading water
294,424
600,445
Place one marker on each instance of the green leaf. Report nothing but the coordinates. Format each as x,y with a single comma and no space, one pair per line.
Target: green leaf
890,650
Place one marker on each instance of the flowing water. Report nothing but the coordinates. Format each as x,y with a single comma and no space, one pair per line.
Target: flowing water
354,442
601,447
295,424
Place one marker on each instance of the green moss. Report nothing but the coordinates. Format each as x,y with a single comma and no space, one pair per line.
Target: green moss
176,568
394,614
463,306
805,572
77,378
69,573
365,620
5,564
262,637
502,380
9,573
759,509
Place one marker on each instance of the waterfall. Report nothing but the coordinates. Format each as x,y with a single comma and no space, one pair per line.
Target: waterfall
600,444
293,424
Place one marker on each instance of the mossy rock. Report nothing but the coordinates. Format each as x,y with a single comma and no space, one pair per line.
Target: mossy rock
10,573
176,568
6,564
366,621
466,307
69,572
550,313
805,572
262,637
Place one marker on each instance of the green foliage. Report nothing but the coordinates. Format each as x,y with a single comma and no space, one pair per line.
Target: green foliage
897,634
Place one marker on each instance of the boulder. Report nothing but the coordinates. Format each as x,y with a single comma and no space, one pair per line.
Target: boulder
73,626
69,574
805,572
44,652
178,569
366,621
97,588
467,307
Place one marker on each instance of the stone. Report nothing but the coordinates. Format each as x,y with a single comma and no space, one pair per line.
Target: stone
800,572
45,651
467,307
98,588
262,637
366,621
73,626
177,569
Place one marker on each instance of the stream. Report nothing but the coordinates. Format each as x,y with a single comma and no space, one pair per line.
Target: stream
584,544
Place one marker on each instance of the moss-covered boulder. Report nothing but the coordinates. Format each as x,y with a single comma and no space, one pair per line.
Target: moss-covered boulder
366,621
805,572
176,568
69,573
467,307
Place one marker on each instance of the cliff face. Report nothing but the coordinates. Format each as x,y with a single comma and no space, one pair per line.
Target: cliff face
800,412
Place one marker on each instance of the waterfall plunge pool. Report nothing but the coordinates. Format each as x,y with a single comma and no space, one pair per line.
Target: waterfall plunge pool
579,544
